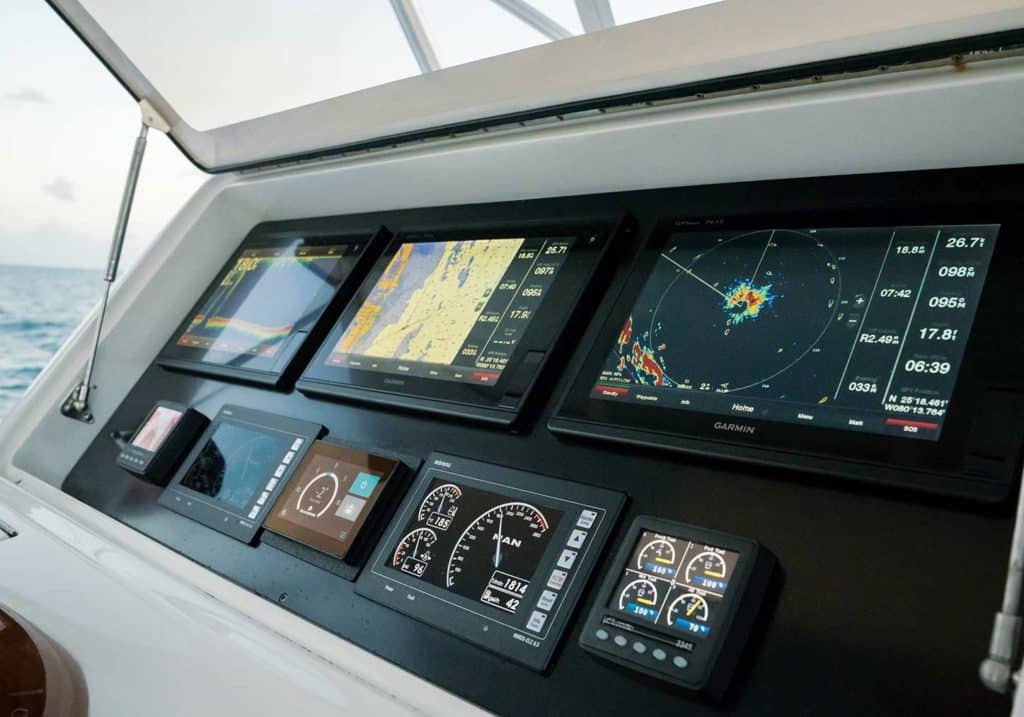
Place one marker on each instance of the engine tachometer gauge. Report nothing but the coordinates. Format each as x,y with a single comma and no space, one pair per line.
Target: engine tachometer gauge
497,553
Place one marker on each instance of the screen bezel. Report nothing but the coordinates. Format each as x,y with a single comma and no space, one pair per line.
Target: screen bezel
788,444
271,371
223,517
706,652
492,402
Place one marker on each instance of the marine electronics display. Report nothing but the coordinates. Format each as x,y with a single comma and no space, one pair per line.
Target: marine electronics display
459,322
495,556
678,603
732,328
238,468
333,497
263,305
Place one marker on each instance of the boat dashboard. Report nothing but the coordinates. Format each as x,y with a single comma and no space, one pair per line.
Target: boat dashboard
742,447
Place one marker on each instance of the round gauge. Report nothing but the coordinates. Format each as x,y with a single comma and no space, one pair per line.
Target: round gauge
443,501
507,538
318,495
657,553
692,609
413,554
641,593
707,569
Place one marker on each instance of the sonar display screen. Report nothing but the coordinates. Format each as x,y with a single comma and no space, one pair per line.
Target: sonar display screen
451,310
266,296
859,329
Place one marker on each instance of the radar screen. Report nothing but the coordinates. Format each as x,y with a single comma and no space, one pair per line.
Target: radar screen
452,310
238,468
493,555
859,329
263,305
333,493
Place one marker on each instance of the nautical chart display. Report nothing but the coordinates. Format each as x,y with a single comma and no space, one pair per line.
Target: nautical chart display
853,328
461,320
452,310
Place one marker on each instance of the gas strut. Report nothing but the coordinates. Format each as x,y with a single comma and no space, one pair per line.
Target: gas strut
76,405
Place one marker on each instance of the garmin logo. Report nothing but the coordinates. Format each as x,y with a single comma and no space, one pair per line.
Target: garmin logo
734,427
394,381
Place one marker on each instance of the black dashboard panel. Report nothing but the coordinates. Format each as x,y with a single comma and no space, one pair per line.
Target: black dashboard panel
852,624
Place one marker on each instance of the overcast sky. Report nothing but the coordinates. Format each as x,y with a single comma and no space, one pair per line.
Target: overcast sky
67,127
66,134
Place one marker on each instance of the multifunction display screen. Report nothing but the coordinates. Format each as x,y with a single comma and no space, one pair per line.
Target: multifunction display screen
328,500
235,464
674,584
451,310
860,329
480,545
265,297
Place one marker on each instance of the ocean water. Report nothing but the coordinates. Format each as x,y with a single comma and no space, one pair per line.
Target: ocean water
39,308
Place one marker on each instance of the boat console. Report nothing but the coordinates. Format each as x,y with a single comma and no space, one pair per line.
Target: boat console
599,444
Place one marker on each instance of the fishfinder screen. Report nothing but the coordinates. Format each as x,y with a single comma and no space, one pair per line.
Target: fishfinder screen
451,310
857,329
674,584
266,296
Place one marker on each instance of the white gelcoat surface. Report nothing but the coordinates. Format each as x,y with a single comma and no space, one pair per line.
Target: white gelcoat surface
149,644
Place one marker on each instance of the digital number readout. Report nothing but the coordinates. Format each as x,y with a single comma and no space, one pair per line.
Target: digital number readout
481,545
859,329
452,310
674,585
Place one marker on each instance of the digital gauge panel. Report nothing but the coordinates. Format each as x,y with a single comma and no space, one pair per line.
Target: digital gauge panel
740,331
459,321
495,556
267,300
679,603
238,468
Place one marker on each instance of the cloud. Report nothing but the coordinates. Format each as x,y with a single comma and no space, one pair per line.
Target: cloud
61,188
27,95
51,245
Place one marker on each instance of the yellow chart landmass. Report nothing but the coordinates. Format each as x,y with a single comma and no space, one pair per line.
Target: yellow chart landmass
440,314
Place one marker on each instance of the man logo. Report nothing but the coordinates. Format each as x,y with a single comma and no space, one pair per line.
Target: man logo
734,427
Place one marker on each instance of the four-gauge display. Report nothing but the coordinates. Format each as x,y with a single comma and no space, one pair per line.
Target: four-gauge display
675,584
679,602
858,329
495,555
